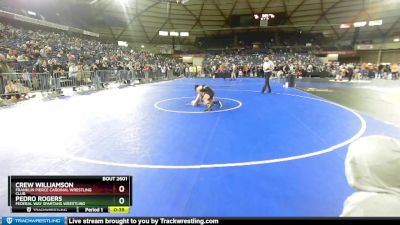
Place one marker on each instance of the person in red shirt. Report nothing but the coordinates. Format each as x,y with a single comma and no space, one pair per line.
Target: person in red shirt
146,70
245,69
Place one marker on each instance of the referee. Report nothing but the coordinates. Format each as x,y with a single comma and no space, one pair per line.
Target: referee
268,66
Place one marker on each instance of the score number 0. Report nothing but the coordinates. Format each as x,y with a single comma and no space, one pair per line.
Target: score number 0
121,200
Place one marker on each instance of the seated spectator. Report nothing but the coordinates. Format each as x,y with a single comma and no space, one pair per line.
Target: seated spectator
14,90
10,87
373,168
11,55
21,89
22,58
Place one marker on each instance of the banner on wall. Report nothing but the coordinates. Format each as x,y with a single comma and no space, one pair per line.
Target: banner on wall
364,47
332,57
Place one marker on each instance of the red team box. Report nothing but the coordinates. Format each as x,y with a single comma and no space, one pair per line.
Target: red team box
75,188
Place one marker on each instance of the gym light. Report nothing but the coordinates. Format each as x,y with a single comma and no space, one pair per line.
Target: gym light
267,16
163,33
360,24
123,43
375,23
345,25
31,13
174,34
396,39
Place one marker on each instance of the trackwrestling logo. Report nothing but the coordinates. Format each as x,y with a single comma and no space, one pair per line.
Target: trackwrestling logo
33,220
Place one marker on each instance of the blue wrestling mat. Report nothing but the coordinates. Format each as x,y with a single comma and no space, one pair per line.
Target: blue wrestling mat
279,154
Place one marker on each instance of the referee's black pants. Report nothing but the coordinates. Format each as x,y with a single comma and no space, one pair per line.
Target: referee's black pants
267,75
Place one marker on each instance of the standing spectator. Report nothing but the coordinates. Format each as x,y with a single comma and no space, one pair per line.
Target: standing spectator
26,78
395,70
386,71
187,71
146,70
286,70
310,69
334,73
3,69
371,70
80,75
169,72
357,73
121,72
246,70
70,56
379,72
350,72
234,71
279,74
221,70
364,71
214,71
341,73
301,72
72,74
198,70
163,71
372,168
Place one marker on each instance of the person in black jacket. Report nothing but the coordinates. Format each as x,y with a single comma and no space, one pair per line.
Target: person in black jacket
350,72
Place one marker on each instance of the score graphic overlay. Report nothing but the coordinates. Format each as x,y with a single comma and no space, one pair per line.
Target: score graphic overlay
265,18
259,20
74,194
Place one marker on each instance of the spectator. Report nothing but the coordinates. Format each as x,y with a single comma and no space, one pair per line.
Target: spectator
395,70
80,75
379,73
350,71
357,73
372,168
11,55
146,71
371,70
26,78
11,88
3,70
72,74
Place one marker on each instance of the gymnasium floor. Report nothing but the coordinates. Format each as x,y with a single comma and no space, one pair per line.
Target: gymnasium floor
279,154
377,98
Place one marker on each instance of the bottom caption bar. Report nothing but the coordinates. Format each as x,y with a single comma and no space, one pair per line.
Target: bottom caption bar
177,220
139,221
104,221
